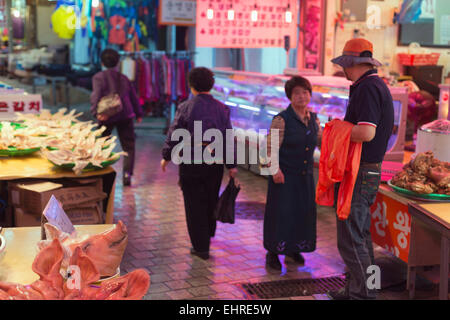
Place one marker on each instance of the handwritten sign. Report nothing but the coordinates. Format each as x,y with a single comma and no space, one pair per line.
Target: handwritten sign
177,12
24,103
56,216
391,226
225,24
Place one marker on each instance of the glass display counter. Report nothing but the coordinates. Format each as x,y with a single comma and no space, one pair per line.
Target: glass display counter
255,98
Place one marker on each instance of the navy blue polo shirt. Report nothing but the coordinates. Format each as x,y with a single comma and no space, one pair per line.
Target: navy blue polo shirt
370,103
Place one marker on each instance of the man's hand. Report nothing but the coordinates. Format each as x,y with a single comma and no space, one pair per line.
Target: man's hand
102,117
139,120
278,178
164,164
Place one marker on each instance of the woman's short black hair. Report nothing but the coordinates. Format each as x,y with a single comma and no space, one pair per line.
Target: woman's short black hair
201,79
110,58
296,81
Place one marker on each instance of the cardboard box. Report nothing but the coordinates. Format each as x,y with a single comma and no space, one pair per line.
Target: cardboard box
23,219
33,196
86,215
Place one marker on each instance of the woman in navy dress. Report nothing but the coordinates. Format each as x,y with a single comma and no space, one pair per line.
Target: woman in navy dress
290,215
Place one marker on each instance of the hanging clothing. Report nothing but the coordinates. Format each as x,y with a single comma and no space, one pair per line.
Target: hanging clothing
128,68
290,215
81,46
173,69
132,42
18,24
117,34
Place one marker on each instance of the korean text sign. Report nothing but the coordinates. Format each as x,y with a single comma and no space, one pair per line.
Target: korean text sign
391,226
177,12
217,27
23,103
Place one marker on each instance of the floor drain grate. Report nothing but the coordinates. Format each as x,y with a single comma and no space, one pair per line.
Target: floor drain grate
292,287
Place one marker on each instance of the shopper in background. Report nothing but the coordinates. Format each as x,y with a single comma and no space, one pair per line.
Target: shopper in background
371,110
112,81
290,215
200,182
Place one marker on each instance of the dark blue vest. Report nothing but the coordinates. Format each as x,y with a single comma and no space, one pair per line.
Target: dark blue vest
297,149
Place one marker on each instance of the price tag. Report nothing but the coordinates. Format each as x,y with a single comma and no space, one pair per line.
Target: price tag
56,216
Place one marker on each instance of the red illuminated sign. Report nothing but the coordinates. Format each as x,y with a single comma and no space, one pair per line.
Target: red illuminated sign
238,24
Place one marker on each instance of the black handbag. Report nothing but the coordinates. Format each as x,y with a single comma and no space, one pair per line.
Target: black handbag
225,209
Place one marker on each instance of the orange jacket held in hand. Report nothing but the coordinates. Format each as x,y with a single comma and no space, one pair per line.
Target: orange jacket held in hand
339,162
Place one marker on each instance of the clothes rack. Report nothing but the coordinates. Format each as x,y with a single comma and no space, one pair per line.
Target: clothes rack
160,78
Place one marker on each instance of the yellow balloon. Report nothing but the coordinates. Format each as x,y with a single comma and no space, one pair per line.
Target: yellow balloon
64,22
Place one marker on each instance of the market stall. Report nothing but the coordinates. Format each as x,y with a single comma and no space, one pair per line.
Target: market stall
255,98
15,266
56,154
437,217
34,169
410,214
82,265
397,230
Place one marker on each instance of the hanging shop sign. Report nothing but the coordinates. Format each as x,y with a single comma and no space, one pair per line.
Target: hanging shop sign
246,24
177,12
313,33
391,226
23,103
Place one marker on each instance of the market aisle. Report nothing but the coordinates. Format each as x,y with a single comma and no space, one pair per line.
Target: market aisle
153,211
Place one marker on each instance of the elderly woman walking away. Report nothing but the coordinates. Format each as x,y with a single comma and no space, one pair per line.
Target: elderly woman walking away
290,216
200,181
112,81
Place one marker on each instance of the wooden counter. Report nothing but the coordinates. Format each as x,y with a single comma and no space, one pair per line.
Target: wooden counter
21,249
36,167
437,217
39,168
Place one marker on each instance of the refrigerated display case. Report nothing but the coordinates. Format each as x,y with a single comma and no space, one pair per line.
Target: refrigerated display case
255,98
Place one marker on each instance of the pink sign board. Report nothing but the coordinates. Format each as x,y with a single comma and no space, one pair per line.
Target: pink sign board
239,24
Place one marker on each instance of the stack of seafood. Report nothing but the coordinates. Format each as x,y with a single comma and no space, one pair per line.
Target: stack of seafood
49,121
424,174
82,148
63,139
96,256
20,138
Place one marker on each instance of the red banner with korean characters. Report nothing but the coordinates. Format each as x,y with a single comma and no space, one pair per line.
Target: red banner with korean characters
391,226
239,24
23,103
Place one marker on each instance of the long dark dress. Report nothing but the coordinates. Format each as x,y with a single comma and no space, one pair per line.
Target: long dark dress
290,216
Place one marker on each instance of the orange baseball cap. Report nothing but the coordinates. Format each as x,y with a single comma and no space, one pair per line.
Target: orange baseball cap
356,51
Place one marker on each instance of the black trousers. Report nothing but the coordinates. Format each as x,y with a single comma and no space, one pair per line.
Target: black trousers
200,184
127,138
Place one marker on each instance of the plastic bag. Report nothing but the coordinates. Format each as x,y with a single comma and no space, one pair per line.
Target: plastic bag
225,208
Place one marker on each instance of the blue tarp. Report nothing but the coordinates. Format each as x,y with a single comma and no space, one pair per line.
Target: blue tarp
410,11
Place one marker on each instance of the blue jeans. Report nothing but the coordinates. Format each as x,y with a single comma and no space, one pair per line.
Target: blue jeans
353,234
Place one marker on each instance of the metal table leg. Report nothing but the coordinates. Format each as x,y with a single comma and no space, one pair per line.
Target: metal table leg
54,91
67,86
411,281
443,286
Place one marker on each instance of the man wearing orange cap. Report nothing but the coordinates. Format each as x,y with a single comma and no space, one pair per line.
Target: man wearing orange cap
371,110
